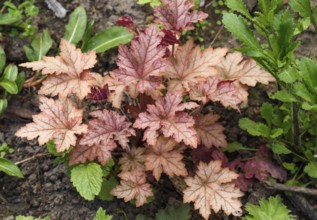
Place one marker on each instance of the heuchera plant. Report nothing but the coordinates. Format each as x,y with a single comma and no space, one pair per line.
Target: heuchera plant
149,125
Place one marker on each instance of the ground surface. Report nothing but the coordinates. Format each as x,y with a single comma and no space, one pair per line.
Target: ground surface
46,189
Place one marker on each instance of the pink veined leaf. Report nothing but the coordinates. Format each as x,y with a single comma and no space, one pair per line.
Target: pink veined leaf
85,153
215,90
175,15
142,64
213,188
165,157
167,116
106,128
58,120
68,73
133,186
209,132
244,73
190,65
133,160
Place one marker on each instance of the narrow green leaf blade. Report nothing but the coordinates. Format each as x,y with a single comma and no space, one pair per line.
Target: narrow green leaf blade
9,86
76,25
267,112
3,106
301,6
87,178
109,38
41,44
254,128
239,6
2,59
239,28
10,168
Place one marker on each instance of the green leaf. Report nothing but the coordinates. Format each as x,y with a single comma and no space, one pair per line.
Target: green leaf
301,90
107,186
289,76
308,70
101,215
11,72
76,25
10,168
20,217
87,178
9,86
3,106
267,112
41,44
276,132
239,6
174,213
20,81
235,146
254,128
107,167
87,35
153,3
2,59
9,19
311,169
109,38
284,96
280,148
239,28
301,6
289,166
271,209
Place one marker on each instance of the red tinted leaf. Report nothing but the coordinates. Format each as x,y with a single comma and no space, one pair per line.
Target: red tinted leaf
142,63
125,21
106,128
59,120
261,167
170,38
99,94
175,15
167,116
84,153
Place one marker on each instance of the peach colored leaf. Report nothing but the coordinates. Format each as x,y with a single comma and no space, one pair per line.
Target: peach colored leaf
243,72
59,120
116,89
190,64
133,186
175,15
213,188
215,90
167,116
209,132
132,160
142,63
165,157
106,128
68,73
85,153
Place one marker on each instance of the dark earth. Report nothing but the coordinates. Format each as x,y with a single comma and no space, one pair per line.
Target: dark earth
46,189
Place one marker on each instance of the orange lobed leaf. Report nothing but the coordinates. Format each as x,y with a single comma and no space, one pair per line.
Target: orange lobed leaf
165,157
106,128
132,160
209,132
68,73
190,65
243,72
213,188
142,63
167,116
133,186
215,90
59,120
175,15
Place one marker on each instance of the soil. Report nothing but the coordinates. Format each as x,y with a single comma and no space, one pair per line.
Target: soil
46,189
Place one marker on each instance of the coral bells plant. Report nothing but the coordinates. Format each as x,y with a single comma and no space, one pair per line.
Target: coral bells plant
152,115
